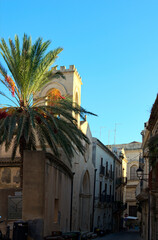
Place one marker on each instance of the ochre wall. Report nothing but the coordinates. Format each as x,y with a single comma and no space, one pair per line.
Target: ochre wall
45,182
33,185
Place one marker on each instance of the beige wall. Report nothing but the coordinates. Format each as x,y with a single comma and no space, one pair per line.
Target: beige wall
47,184
46,192
57,199
83,186
81,165
132,152
33,185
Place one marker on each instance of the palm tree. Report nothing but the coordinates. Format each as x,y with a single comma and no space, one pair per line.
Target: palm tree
27,120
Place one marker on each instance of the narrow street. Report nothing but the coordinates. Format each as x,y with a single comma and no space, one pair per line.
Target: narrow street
122,236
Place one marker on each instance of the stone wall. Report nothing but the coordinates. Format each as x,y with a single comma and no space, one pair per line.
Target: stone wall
46,194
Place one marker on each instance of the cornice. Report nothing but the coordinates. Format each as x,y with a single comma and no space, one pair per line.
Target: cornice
59,163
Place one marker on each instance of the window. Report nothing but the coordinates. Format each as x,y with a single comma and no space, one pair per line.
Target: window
100,190
53,94
111,170
106,168
56,209
116,172
101,162
133,173
98,222
133,211
105,189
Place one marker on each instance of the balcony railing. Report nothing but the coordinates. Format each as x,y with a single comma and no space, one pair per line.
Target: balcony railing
121,180
111,174
142,191
102,170
119,206
107,174
106,198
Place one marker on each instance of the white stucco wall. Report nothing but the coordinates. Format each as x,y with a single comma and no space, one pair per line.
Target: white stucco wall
102,210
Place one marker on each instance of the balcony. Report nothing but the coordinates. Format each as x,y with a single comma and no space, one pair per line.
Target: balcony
119,206
142,191
102,170
118,182
106,198
124,180
111,175
107,174
121,181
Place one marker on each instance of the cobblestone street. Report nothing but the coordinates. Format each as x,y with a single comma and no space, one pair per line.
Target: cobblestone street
122,236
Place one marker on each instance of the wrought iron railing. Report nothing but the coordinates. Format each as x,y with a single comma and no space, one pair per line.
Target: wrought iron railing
106,198
102,170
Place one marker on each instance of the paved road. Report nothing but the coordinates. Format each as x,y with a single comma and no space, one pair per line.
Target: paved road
121,236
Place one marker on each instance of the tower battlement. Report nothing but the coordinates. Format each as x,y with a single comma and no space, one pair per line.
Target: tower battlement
71,68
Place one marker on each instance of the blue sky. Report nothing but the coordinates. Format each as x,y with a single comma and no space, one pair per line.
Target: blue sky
114,46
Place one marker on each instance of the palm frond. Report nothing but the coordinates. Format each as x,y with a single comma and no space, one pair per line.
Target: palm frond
29,122
4,95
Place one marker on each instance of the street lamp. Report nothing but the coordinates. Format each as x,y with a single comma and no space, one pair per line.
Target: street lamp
141,174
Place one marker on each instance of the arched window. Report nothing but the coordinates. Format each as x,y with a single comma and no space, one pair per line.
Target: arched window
53,94
133,174
86,184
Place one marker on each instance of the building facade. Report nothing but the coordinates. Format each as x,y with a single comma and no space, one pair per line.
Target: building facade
147,189
103,160
83,183
132,152
120,181
64,184
142,189
82,166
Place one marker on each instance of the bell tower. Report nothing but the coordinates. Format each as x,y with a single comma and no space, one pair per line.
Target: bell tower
71,85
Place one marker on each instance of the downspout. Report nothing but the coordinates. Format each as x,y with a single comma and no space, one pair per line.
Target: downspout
93,200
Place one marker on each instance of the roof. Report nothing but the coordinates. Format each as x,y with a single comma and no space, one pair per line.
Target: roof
106,148
129,146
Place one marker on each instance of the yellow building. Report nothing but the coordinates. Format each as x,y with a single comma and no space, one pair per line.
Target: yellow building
131,153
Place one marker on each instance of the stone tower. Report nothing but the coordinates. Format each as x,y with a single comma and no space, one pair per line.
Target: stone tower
71,85
82,166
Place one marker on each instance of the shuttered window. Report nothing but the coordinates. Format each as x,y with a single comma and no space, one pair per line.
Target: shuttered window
133,174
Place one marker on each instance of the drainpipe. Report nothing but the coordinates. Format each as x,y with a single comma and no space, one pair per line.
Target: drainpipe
72,183
93,200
